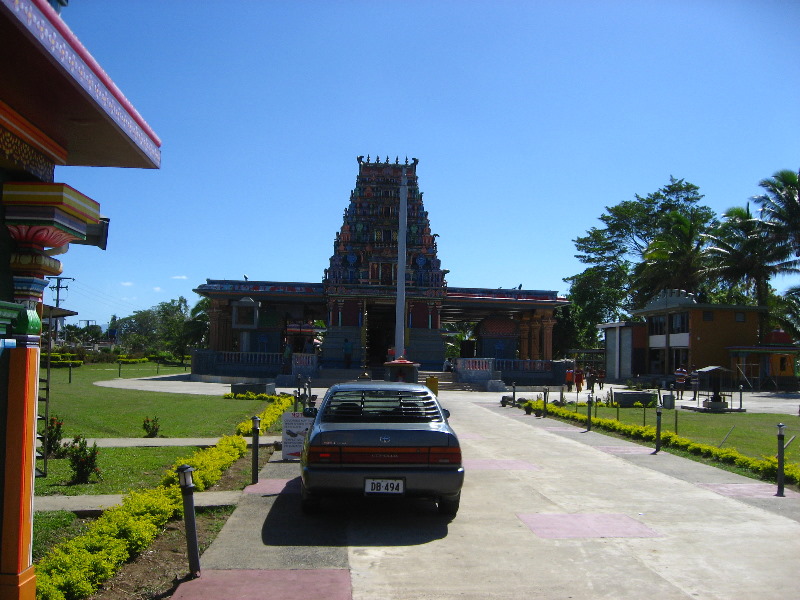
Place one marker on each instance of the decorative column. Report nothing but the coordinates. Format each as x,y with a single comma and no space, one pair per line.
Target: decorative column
17,579
39,216
548,322
536,330
524,337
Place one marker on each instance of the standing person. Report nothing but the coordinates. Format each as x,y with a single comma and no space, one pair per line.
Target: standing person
680,381
287,358
694,380
591,378
570,377
578,380
347,350
601,378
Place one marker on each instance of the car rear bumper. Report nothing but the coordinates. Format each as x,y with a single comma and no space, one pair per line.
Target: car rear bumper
350,480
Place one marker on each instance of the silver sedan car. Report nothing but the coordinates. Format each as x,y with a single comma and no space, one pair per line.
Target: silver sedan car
384,439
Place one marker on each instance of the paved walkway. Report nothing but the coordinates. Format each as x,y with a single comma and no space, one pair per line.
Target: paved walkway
549,511
593,517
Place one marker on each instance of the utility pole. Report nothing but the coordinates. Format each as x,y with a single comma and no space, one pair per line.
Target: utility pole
57,287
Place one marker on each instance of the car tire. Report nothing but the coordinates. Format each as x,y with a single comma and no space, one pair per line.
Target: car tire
448,505
309,503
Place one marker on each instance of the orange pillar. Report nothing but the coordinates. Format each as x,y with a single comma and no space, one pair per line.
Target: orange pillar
17,580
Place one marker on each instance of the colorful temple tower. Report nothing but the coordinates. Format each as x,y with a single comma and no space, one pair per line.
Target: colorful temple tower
361,281
256,325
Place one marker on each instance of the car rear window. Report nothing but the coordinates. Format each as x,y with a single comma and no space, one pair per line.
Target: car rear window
380,406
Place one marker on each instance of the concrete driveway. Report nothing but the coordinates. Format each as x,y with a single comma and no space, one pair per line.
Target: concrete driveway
548,511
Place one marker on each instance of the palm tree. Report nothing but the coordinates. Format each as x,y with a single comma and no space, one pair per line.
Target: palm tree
743,249
675,259
788,314
781,206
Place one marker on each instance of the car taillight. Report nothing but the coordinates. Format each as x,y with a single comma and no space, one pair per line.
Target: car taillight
324,455
445,456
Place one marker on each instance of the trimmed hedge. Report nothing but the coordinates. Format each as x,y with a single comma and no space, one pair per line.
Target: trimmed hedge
75,569
269,416
765,468
209,463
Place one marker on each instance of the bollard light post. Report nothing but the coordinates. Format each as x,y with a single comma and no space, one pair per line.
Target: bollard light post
658,430
741,391
513,393
781,436
589,413
119,369
544,405
256,433
187,491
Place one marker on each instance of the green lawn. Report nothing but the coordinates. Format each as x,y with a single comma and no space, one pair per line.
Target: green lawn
122,469
754,434
94,411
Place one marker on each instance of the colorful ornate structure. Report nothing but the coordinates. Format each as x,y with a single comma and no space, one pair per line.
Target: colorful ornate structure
356,299
57,107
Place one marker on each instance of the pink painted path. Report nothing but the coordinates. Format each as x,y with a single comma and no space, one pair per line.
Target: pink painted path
243,584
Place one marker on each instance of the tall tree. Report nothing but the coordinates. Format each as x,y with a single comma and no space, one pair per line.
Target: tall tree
788,314
744,250
781,207
604,290
674,259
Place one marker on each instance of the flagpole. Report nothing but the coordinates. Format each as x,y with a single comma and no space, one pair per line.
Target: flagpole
400,305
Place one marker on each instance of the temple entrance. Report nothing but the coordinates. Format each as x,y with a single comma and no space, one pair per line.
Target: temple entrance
380,333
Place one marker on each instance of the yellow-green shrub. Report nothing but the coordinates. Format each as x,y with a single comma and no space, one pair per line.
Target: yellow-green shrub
209,463
269,416
765,468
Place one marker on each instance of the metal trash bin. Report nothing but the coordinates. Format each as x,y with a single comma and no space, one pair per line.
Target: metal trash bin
668,401
433,383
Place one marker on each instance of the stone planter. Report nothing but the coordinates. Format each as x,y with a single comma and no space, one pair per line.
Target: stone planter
627,399
714,405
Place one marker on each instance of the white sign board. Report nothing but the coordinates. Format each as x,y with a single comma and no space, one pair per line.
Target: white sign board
295,427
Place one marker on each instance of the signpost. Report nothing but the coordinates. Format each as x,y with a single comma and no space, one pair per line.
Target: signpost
295,427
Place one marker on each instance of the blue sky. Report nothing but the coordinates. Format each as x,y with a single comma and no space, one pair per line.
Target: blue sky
528,118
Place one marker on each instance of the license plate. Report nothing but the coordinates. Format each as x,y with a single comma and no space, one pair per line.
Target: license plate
383,486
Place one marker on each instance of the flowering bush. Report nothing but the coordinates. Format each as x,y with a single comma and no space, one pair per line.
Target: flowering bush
53,432
151,427
83,460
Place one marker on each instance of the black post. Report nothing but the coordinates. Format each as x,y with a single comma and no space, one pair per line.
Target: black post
780,478
589,413
544,406
658,430
119,370
513,393
256,433
192,547
70,372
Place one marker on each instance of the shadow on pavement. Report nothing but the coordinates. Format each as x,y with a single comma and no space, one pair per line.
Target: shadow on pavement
349,521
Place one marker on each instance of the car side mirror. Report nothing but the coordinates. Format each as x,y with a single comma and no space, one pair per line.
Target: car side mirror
446,413
310,412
